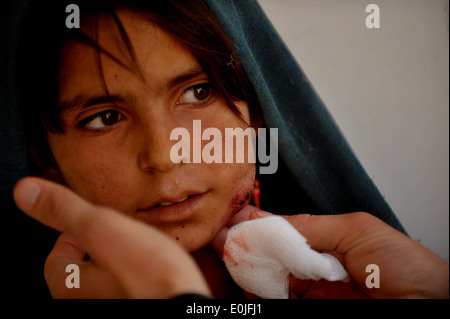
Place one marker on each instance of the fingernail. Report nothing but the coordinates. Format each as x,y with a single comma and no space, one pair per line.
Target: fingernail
26,194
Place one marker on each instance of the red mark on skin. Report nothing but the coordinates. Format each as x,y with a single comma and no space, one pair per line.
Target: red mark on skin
243,192
241,199
240,196
238,201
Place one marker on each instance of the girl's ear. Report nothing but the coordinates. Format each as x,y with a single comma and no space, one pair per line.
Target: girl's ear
257,121
45,166
256,116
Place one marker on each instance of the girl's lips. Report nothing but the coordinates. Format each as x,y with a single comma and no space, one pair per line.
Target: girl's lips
173,213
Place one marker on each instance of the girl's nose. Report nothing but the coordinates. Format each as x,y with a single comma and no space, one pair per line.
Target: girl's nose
155,145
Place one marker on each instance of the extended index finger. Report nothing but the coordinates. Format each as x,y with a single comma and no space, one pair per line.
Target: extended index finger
52,204
58,207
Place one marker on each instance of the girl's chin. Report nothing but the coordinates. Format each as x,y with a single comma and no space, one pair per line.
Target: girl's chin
190,237
195,245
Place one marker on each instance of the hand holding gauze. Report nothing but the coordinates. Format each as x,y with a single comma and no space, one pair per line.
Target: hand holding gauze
260,254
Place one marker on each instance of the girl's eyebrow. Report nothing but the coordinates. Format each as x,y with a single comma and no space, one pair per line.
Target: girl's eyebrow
189,74
83,101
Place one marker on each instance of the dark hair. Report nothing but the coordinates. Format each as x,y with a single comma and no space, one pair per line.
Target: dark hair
45,33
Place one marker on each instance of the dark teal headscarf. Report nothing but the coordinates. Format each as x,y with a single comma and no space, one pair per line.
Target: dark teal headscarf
310,142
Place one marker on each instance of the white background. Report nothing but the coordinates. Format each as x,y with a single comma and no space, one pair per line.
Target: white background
388,90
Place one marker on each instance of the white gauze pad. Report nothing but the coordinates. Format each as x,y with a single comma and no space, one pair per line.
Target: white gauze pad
260,254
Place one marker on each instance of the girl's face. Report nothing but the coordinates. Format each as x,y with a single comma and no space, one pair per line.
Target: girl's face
116,149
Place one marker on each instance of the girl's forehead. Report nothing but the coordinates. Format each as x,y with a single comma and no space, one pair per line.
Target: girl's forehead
155,58
133,37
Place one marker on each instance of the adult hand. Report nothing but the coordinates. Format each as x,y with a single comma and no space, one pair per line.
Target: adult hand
406,268
128,259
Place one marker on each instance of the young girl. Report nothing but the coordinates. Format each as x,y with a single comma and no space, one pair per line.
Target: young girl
100,103
122,82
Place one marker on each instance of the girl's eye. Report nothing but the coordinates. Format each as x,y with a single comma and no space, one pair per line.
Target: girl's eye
101,120
197,94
